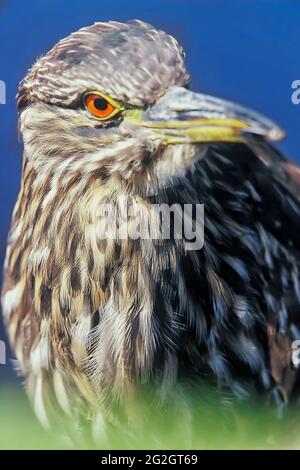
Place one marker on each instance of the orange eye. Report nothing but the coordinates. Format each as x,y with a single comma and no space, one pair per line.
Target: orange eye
99,106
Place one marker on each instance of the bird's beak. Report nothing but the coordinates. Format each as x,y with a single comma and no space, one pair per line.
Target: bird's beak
182,116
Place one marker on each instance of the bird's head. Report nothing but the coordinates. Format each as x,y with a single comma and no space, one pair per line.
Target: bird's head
111,100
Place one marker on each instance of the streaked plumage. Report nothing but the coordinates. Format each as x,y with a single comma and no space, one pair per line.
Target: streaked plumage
88,318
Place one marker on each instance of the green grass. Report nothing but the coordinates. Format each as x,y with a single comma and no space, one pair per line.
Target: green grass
19,428
197,420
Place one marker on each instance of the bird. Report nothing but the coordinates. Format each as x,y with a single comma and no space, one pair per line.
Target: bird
108,118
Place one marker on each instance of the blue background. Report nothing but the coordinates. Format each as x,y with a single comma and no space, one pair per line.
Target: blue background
243,50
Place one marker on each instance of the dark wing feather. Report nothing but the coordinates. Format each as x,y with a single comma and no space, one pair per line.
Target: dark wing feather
287,174
239,296
282,170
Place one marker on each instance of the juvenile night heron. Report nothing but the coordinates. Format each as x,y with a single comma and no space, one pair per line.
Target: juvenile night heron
107,114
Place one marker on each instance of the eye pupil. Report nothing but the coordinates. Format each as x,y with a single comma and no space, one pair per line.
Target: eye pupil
100,104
